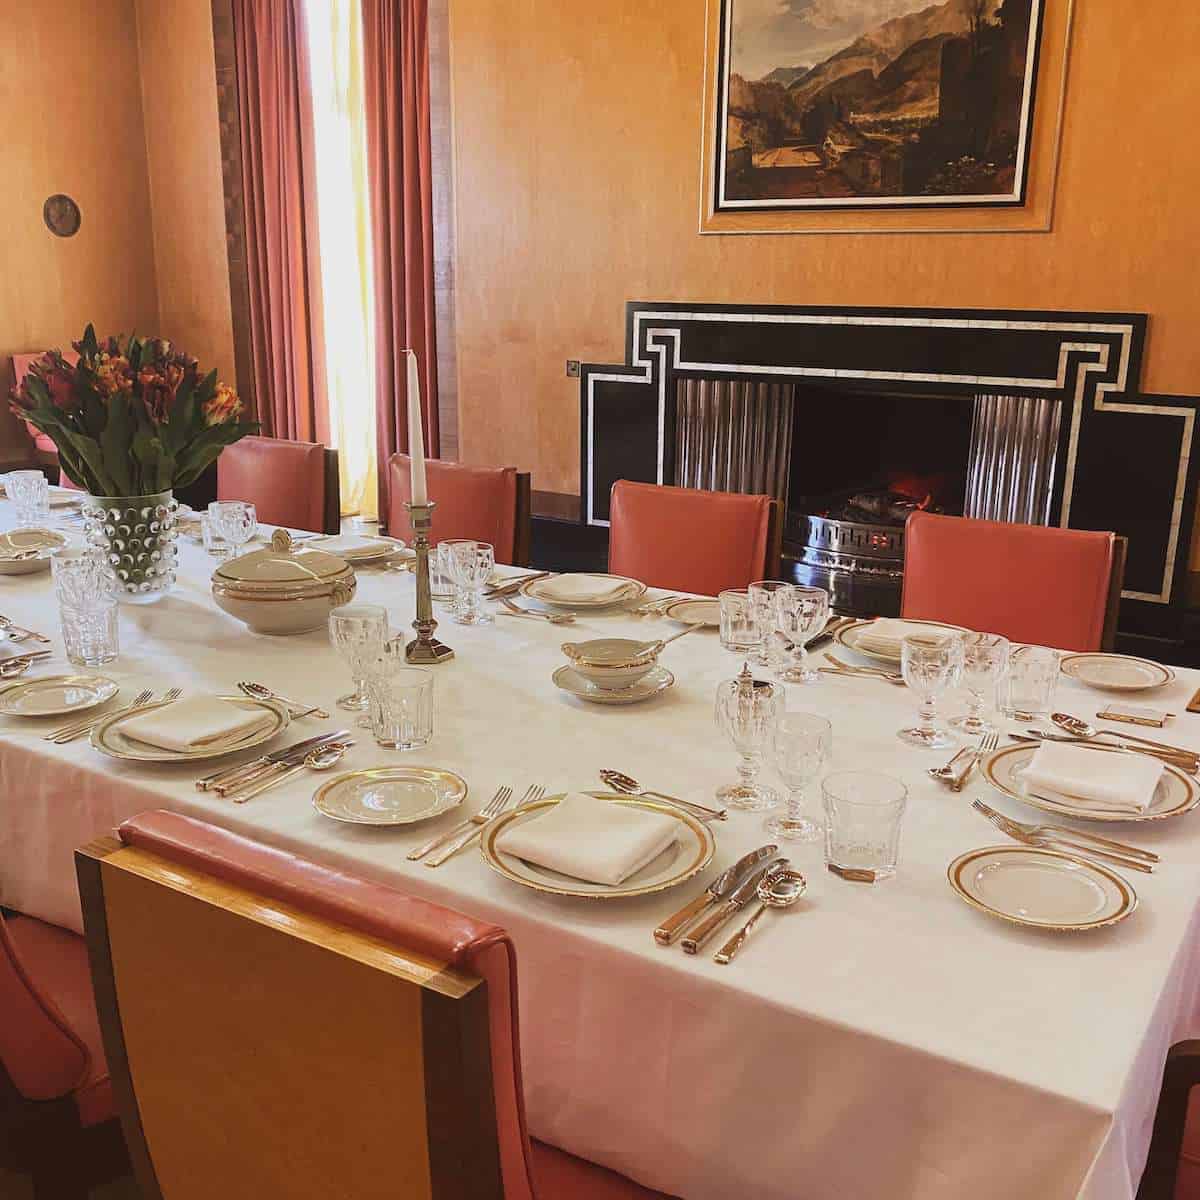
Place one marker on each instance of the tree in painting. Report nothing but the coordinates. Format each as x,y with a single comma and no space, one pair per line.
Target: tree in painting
832,103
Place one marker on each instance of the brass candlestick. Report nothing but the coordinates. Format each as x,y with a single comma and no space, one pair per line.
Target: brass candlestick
424,649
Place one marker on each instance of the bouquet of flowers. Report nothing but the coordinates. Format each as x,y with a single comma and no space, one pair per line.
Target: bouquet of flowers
130,419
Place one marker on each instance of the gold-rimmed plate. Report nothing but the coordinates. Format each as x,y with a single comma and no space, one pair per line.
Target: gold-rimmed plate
1177,792
390,795
687,856
1041,889
698,611
373,549
109,738
1116,672
850,635
569,680
632,589
17,541
56,695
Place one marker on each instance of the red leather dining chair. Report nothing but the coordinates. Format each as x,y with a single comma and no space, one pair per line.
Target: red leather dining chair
484,504
1030,583
279,1028
57,1117
289,483
688,540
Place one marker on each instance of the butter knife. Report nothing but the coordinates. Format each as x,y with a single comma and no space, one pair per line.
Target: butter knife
285,755
670,930
741,895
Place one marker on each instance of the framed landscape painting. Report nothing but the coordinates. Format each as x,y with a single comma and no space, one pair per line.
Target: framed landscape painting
874,104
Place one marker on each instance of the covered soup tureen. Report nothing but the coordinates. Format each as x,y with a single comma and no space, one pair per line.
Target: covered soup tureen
286,588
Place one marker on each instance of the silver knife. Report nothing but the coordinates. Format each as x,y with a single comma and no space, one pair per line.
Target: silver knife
283,755
744,892
669,931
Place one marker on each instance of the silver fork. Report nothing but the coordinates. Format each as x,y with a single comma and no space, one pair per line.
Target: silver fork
655,607
168,698
987,744
532,793
1027,835
553,618
81,725
489,810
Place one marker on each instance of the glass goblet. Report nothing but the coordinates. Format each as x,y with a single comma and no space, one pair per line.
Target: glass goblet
358,632
471,565
746,712
235,521
800,746
985,658
762,609
931,664
800,614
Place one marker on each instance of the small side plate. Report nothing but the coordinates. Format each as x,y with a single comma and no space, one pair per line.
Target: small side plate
700,611
1116,672
56,695
44,541
390,795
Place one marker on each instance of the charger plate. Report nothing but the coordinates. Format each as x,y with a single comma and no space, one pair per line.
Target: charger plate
687,857
108,737
44,541
56,695
390,795
848,636
1177,792
634,589
1116,672
1042,889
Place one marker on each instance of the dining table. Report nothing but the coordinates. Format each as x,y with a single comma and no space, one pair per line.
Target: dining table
871,1041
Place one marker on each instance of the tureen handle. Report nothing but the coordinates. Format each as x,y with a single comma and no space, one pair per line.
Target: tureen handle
281,541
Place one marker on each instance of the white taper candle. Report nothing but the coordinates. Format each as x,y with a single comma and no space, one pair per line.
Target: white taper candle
416,435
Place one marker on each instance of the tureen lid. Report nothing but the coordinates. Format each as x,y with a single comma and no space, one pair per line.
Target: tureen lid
283,564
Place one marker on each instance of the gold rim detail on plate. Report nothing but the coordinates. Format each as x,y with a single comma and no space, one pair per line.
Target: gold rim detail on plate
593,693
133,751
671,613
842,635
104,688
1129,899
429,775
1072,663
634,590
706,846
1184,785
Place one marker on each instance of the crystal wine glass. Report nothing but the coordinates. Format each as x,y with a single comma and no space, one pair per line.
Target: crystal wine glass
358,632
471,565
800,614
800,746
235,521
746,712
931,664
985,658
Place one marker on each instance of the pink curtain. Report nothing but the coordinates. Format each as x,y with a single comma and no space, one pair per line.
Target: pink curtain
396,86
278,167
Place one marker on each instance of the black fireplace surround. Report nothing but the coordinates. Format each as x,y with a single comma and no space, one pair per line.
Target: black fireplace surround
1125,459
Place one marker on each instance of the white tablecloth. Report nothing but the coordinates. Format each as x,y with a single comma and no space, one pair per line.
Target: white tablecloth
874,1042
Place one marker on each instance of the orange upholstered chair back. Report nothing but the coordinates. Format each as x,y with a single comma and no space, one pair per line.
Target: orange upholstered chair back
289,483
1030,583
279,1028
690,540
483,504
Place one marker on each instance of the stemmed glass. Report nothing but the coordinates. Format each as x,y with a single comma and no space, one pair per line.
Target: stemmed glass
800,746
471,566
985,658
800,614
762,607
746,712
931,664
358,632
235,521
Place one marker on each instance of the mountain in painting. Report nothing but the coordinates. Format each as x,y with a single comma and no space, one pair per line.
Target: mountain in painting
785,75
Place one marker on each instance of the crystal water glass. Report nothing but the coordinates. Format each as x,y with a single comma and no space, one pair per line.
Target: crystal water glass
471,566
358,632
800,614
235,521
746,712
762,603
401,699
1030,682
931,664
739,625
985,659
441,578
213,542
30,493
87,596
801,743
864,811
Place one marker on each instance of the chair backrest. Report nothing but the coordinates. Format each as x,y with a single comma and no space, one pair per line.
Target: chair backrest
287,482
39,1051
339,1033
1030,583
484,504
690,540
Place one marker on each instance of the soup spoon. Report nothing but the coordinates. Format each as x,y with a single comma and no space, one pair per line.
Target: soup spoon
780,890
1080,728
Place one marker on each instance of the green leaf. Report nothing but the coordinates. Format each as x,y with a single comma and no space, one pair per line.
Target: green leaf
38,390
115,445
89,343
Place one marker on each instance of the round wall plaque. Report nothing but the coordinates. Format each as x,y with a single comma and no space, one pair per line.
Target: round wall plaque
61,215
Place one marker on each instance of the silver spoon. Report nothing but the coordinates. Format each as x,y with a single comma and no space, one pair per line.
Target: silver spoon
319,759
781,890
261,692
626,784
1080,728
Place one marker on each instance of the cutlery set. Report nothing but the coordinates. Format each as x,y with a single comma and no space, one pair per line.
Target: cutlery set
247,774
10,668
844,668
259,691
445,845
18,633
73,729
956,773
656,608
509,586
555,618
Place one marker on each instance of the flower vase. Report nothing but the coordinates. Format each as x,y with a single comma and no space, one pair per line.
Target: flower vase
136,535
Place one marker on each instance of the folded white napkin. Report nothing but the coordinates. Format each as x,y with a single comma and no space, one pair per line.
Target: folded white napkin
581,587
590,839
195,723
884,635
348,544
1106,782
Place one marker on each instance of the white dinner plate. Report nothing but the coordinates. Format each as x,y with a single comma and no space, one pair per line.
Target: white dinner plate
695,612
56,695
44,541
688,855
632,590
110,739
1045,889
570,681
1116,672
390,795
1176,793
848,636
376,549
